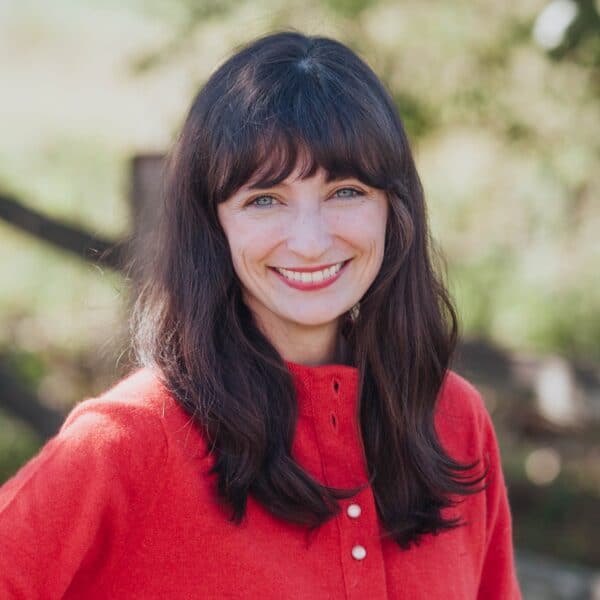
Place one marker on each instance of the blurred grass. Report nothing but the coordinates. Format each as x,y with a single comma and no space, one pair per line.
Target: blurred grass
17,444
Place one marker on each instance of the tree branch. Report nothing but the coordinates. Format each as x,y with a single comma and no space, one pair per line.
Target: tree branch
107,253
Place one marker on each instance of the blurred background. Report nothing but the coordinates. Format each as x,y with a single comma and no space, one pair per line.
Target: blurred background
501,103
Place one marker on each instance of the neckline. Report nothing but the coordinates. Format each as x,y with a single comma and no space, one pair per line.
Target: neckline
325,387
319,369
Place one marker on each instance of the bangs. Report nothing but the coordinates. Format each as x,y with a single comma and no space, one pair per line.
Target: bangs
307,127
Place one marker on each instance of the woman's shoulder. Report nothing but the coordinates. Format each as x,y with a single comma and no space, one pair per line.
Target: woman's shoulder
459,397
111,423
136,411
105,448
461,418
138,396
133,400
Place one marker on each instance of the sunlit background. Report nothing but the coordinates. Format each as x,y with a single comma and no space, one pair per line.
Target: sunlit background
501,103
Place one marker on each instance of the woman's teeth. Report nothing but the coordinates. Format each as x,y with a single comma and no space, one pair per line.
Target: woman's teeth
314,276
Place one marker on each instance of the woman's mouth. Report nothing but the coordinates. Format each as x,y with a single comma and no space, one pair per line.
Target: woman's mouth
311,280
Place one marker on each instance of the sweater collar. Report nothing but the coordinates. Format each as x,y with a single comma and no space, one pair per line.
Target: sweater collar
330,387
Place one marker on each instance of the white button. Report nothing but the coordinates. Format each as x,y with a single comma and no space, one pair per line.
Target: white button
359,552
353,511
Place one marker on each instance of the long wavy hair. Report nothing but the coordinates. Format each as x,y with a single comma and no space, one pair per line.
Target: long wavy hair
279,98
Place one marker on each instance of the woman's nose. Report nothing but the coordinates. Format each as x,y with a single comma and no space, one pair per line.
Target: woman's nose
308,235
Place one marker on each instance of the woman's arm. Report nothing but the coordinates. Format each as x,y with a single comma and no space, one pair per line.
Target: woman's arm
498,576
71,506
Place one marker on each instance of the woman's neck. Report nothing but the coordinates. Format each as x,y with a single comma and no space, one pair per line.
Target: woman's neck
309,346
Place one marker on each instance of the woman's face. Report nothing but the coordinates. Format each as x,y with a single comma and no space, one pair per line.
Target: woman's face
305,251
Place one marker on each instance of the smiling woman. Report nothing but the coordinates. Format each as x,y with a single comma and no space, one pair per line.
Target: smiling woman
309,239
293,429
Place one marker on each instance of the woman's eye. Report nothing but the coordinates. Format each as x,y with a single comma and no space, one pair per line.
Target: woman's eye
269,201
348,193
262,201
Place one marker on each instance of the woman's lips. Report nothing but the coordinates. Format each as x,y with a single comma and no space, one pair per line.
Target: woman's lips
310,285
319,268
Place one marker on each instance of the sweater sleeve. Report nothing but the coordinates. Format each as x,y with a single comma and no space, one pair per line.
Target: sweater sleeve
498,576
69,509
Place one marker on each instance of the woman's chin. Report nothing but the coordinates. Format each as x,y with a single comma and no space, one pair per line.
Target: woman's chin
315,318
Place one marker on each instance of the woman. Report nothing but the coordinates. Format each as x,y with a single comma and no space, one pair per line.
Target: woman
293,430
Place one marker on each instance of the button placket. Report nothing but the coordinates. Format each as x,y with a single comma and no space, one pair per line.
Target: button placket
353,510
340,447
333,418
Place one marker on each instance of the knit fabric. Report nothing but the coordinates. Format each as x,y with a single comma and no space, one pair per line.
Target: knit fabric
119,504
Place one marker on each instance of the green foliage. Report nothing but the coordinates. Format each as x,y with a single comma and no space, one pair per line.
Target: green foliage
418,119
27,367
475,286
348,8
17,444
582,42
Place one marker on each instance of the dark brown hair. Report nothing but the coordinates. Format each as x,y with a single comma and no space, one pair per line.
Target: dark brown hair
283,97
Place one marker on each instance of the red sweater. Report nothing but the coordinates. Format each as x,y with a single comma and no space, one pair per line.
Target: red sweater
118,505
